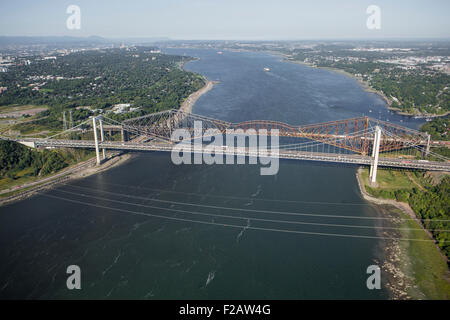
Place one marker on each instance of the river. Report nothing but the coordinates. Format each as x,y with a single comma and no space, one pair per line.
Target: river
110,227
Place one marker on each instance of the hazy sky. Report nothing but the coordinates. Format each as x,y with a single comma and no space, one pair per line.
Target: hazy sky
228,19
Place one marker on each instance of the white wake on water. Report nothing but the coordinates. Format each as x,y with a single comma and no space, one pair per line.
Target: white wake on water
258,191
211,277
238,238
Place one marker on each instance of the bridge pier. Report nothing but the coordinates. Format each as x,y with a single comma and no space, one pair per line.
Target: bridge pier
427,150
102,137
124,134
97,151
375,155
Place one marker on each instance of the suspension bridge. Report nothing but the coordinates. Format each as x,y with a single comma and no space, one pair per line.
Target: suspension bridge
360,141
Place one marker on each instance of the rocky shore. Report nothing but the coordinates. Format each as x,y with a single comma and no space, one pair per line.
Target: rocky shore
393,255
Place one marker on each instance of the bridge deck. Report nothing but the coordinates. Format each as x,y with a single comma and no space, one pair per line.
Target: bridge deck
283,154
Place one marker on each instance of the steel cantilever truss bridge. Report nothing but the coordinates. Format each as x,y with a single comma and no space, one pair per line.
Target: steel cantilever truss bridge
360,141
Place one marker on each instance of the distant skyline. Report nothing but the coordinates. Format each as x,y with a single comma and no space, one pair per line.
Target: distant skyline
228,19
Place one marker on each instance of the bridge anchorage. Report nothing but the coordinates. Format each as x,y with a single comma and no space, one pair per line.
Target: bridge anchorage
359,141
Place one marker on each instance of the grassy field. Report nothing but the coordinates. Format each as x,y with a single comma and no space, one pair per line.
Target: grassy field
21,108
388,181
19,122
34,129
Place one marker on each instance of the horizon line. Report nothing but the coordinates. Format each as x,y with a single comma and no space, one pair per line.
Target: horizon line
166,38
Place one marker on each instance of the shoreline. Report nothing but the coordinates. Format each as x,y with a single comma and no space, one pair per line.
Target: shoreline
87,167
393,255
388,252
369,89
366,86
190,101
362,83
402,206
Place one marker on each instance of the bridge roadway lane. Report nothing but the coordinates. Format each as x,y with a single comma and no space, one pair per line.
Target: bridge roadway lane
283,154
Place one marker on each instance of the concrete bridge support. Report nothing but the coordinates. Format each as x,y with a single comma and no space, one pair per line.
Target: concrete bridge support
124,134
375,155
427,150
97,151
102,136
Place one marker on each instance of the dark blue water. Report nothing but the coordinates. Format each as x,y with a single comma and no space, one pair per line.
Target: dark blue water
149,229
293,93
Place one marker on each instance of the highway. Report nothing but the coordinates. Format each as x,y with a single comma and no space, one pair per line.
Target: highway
282,154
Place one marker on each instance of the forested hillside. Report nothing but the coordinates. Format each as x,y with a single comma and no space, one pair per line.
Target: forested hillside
18,161
93,81
433,206
438,128
99,78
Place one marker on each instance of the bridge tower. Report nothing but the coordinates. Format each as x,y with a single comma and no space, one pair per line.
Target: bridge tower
427,150
102,136
375,155
97,151
124,134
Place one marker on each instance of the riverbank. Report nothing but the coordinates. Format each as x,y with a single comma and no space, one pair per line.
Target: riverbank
188,104
361,82
413,269
78,171
88,167
368,88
